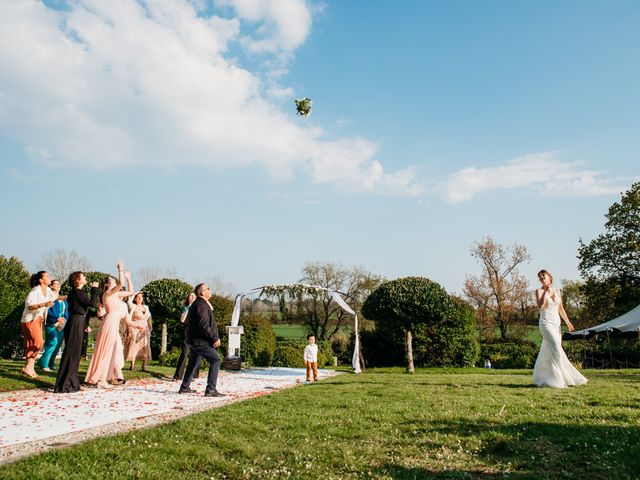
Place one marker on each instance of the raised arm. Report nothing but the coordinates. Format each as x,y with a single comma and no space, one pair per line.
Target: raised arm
129,291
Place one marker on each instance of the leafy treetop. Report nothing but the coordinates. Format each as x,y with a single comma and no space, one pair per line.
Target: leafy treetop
408,301
616,252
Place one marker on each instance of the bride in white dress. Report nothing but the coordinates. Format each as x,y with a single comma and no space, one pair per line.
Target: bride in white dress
553,368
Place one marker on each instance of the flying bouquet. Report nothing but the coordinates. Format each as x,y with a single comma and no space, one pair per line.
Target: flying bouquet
303,105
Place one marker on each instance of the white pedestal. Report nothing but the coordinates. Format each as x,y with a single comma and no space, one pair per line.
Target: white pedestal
233,349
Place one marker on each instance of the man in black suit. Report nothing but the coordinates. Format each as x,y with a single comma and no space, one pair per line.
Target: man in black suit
203,340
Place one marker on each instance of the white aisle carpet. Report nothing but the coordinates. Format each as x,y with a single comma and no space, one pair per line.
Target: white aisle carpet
26,418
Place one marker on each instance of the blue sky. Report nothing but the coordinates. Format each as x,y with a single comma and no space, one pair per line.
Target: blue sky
167,135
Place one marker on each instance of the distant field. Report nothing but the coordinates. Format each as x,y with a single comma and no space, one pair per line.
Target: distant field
297,332
532,333
291,332
300,332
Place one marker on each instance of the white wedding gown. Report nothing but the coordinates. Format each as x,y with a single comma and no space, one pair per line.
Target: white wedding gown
553,368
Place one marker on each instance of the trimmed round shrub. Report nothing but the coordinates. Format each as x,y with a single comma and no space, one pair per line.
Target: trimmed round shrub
259,341
165,298
442,327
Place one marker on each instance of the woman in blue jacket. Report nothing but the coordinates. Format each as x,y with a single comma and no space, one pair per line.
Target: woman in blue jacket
57,317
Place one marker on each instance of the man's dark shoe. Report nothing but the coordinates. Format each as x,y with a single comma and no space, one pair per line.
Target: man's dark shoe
213,393
186,390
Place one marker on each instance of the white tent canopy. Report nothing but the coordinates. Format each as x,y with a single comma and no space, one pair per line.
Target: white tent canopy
627,324
355,360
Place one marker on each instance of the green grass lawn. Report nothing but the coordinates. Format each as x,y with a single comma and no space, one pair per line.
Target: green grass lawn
438,423
11,378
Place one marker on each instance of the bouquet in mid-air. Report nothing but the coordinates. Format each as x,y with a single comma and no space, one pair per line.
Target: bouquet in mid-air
303,106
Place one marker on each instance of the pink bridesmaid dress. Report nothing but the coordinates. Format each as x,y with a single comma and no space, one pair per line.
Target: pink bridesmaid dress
108,357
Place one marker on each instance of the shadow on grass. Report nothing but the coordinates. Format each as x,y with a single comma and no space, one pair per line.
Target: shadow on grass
542,450
25,382
398,472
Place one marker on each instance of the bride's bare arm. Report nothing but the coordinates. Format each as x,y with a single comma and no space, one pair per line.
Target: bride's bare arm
541,299
565,317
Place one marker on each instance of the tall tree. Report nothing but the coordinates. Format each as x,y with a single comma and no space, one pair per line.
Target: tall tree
499,293
14,286
610,263
60,263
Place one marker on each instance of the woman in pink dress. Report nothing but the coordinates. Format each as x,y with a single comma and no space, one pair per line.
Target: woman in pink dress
108,358
139,327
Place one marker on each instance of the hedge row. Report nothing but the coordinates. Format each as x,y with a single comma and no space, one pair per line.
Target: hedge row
510,354
257,351
588,353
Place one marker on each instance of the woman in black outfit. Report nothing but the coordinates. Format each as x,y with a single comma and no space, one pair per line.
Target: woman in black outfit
184,356
79,303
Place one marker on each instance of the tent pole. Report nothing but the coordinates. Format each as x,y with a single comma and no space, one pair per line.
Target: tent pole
609,343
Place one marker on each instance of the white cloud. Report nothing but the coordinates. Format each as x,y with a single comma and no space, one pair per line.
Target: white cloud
280,92
285,24
121,83
543,173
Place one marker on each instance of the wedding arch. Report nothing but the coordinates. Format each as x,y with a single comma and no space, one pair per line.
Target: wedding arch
294,290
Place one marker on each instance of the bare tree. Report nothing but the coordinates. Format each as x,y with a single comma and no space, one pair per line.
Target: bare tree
220,286
147,275
499,292
323,315
60,263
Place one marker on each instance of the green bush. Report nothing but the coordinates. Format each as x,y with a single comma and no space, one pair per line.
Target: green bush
14,287
452,342
342,346
289,353
170,357
509,354
258,341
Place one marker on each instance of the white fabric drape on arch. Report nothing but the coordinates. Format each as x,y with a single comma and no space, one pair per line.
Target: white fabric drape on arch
355,359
